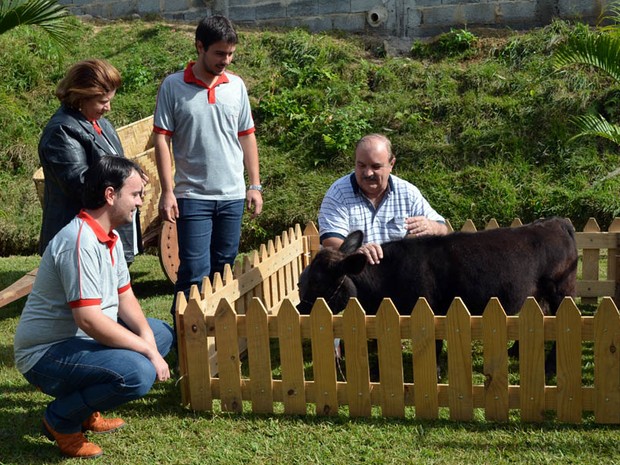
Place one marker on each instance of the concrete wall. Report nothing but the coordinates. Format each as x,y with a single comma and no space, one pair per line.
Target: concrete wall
395,18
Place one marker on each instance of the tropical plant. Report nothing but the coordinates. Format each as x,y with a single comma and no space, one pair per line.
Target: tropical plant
600,49
47,14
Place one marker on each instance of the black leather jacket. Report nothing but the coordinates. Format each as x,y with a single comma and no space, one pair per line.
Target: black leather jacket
68,146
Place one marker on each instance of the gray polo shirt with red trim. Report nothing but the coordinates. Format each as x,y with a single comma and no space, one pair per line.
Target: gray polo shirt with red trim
82,266
205,124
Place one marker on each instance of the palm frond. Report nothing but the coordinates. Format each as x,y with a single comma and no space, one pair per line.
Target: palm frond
599,50
609,19
47,14
596,125
609,16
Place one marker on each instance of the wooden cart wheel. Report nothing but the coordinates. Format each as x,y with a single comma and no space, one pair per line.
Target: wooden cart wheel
169,250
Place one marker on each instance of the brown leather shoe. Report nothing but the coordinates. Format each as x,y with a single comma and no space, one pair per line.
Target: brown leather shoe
97,424
72,444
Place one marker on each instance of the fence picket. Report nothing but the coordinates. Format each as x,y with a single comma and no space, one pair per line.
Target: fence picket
252,260
607,363
242,266
196,352
228,357
613,260
181,305
291,360
495,342
424,361
569,396
273,280
281,273
323,366
389,349
207,288
286,267
590,265
292,267
218,282
314,244
492,224
268,299
259,357
531,362
227,275
469,226
356,358
460,392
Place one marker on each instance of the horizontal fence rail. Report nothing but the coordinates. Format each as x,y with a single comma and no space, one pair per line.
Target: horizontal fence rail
251,310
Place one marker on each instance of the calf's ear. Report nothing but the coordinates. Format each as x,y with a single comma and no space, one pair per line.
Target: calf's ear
353,264
352,242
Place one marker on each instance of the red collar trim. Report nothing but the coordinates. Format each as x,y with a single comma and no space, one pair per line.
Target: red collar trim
108,238
190,78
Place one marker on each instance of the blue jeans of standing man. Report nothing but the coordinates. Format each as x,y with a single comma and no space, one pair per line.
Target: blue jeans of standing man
208,233
85,377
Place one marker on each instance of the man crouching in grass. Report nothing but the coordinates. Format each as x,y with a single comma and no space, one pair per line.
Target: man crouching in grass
82,337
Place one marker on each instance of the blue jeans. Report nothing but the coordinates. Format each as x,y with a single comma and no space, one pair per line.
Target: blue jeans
208,233
85,376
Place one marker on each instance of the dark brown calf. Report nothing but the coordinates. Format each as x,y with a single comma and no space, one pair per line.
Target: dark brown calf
538,259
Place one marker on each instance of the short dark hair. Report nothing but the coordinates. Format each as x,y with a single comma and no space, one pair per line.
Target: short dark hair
107,171
214,29
87,79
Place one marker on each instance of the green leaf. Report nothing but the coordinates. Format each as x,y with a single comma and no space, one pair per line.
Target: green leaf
47,14
596,125
599,50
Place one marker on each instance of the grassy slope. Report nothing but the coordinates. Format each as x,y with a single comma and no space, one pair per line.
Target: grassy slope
482,131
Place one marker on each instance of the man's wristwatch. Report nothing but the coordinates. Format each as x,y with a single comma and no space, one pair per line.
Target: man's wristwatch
256,187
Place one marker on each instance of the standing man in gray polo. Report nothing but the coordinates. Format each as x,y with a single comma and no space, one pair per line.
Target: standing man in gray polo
204,113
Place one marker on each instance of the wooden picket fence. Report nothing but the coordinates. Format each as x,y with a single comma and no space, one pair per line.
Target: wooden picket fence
251,311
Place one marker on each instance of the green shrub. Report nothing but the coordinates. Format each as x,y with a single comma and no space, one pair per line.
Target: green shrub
457,42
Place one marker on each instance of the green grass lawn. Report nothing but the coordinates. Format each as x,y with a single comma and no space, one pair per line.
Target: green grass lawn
160,430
